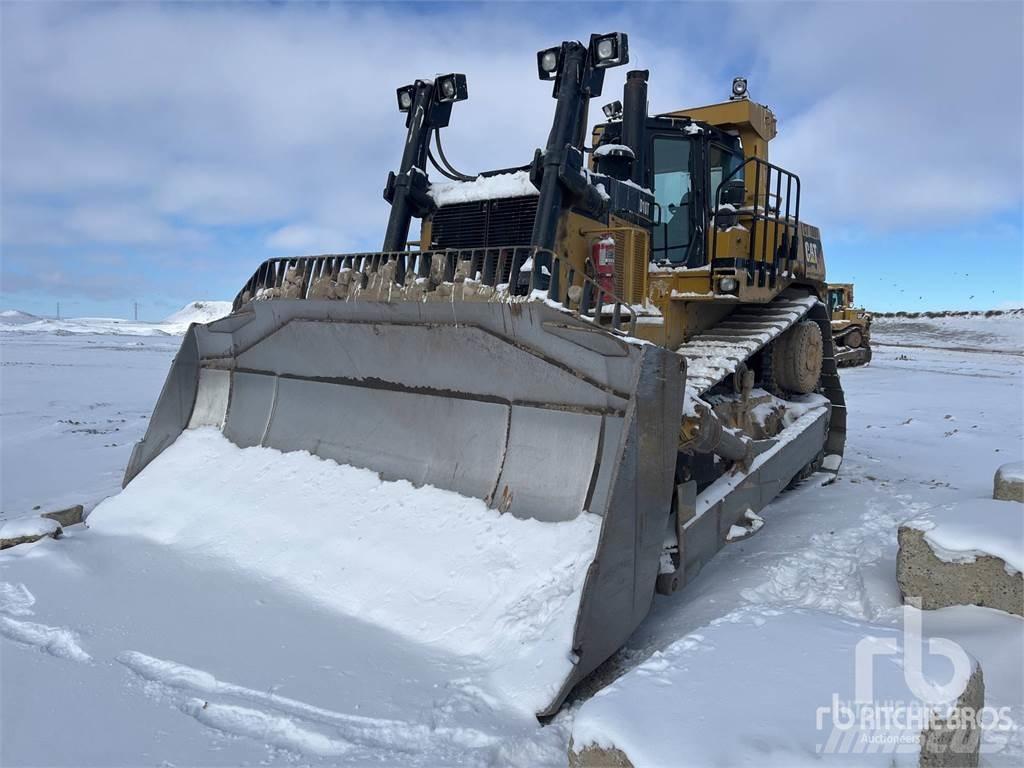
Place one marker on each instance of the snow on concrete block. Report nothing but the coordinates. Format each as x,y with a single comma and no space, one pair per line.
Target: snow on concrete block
23,530
65,517
1009,482
971,553
788,687
593,756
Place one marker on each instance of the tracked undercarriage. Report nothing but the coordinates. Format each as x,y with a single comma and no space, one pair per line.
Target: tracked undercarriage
851,327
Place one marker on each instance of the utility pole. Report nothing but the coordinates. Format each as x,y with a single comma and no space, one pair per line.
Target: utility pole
58,310
136,310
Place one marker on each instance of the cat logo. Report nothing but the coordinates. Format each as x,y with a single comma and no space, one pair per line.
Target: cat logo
811,251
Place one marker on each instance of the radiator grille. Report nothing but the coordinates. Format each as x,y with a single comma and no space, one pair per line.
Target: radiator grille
631,248
484,223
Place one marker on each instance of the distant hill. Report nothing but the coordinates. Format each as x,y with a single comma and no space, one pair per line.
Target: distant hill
16,317
15,321
1017,312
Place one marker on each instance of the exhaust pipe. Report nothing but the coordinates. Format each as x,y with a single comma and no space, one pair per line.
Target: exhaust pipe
634,113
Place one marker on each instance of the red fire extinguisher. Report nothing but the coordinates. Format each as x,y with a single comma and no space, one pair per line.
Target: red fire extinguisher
603,254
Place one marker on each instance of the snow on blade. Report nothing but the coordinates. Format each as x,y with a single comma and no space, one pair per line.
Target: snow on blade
440,569
963,531
503,185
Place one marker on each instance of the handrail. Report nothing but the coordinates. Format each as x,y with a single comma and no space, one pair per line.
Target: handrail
784,239
514,271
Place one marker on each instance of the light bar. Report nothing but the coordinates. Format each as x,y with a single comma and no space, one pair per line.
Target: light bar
450,88
612,110
548,62
609,50
406,96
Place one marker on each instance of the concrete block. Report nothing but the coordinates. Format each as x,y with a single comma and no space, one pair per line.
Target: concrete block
938,583
1009,482
592,756
956,741
702,701
70,516
24,530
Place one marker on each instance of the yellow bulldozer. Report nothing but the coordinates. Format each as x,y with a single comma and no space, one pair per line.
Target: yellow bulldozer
635,329
851,326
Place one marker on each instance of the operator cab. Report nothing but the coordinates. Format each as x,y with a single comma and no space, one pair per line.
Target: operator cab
685,164
835,299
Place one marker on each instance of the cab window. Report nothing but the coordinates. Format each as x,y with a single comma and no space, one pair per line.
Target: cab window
673,194
722,162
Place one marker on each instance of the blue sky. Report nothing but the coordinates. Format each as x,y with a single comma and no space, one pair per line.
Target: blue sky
158,153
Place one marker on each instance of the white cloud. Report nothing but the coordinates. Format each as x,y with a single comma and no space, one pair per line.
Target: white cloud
120,223
151,125
902,114
299,239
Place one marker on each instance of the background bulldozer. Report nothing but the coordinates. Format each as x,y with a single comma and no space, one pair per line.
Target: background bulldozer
634,330
851,326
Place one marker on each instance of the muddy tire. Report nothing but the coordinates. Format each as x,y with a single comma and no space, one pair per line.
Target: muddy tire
797,358
853,339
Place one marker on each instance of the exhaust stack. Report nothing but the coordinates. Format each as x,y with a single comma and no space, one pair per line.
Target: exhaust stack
634,113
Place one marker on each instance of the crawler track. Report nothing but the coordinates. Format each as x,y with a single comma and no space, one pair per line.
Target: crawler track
714,354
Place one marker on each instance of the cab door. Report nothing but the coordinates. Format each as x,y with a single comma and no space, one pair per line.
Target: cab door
672,182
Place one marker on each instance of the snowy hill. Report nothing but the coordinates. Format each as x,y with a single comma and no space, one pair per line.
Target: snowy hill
16,317
997,331
13,320
198,312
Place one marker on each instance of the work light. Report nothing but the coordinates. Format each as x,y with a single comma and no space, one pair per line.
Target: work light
609,50
547,63
612,109
450,88
406,94
739,88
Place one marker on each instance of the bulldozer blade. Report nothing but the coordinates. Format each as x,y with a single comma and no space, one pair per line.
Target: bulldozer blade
847,357
539,413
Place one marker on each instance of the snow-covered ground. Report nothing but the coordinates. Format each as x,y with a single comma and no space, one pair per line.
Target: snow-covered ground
1003,333
12,320
126,647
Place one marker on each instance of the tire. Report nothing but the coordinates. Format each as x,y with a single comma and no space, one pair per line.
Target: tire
797,358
